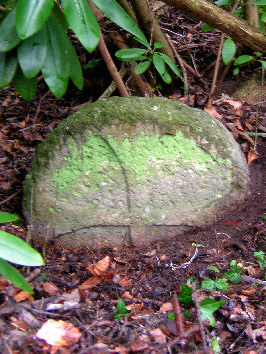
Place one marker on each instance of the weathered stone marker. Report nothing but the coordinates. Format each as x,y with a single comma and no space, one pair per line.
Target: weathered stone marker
132,170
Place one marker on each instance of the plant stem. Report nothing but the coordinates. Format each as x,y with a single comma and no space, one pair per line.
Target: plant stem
112,68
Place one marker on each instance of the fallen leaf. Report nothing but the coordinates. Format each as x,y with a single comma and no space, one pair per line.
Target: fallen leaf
126,295
238,124
212,111
167,306
23,295
100,268
90,283
252,155
235,104
249,126
50,289
59,333
18,323
158,336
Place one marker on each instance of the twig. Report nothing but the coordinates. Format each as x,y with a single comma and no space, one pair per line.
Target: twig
252,280
180,61
10,197
41,312
216,70
39,107
33,274
185,265
111,67
178,315
195,299
217,65
112,87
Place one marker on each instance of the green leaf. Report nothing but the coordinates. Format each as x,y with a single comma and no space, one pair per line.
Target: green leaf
228,51
7,217
15,250
158,45
8,67
215,345
263,17
55,68
161,68
223,2
206,28
121,310
75,71
233,276
263,63
32,52
171,316
83,23
131,54
24,86
208,307
118,15
92,64
243,59
142,67
221,284
142,42
214,269
32,15
258,2
208,284
186,294
236,71
10,273
9,37
172,66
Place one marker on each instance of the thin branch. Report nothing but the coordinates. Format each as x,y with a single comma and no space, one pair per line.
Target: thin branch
111,67
195,299
178,315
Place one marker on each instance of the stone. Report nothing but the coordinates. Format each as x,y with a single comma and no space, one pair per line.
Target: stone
132,170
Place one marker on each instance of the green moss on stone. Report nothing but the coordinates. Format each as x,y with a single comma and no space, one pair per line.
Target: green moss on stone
101,159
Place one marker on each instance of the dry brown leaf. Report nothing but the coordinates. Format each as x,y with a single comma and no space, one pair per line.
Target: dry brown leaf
59,333
90,283
18,323
100,268
126,296
212,111
158,336
249,126
139,346
125,282
50,288
235,104
23,295
167,306
238,124
252,155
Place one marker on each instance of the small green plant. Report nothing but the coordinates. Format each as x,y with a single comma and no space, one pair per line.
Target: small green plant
207,306
121,310
215,345
147,57
261,259
15,250
234,274
229,52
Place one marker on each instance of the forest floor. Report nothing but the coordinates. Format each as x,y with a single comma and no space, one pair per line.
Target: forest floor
76,302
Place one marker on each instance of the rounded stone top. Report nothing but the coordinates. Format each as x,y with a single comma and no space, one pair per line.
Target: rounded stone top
135,170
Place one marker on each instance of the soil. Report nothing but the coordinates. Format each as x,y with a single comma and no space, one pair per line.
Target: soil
73,287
